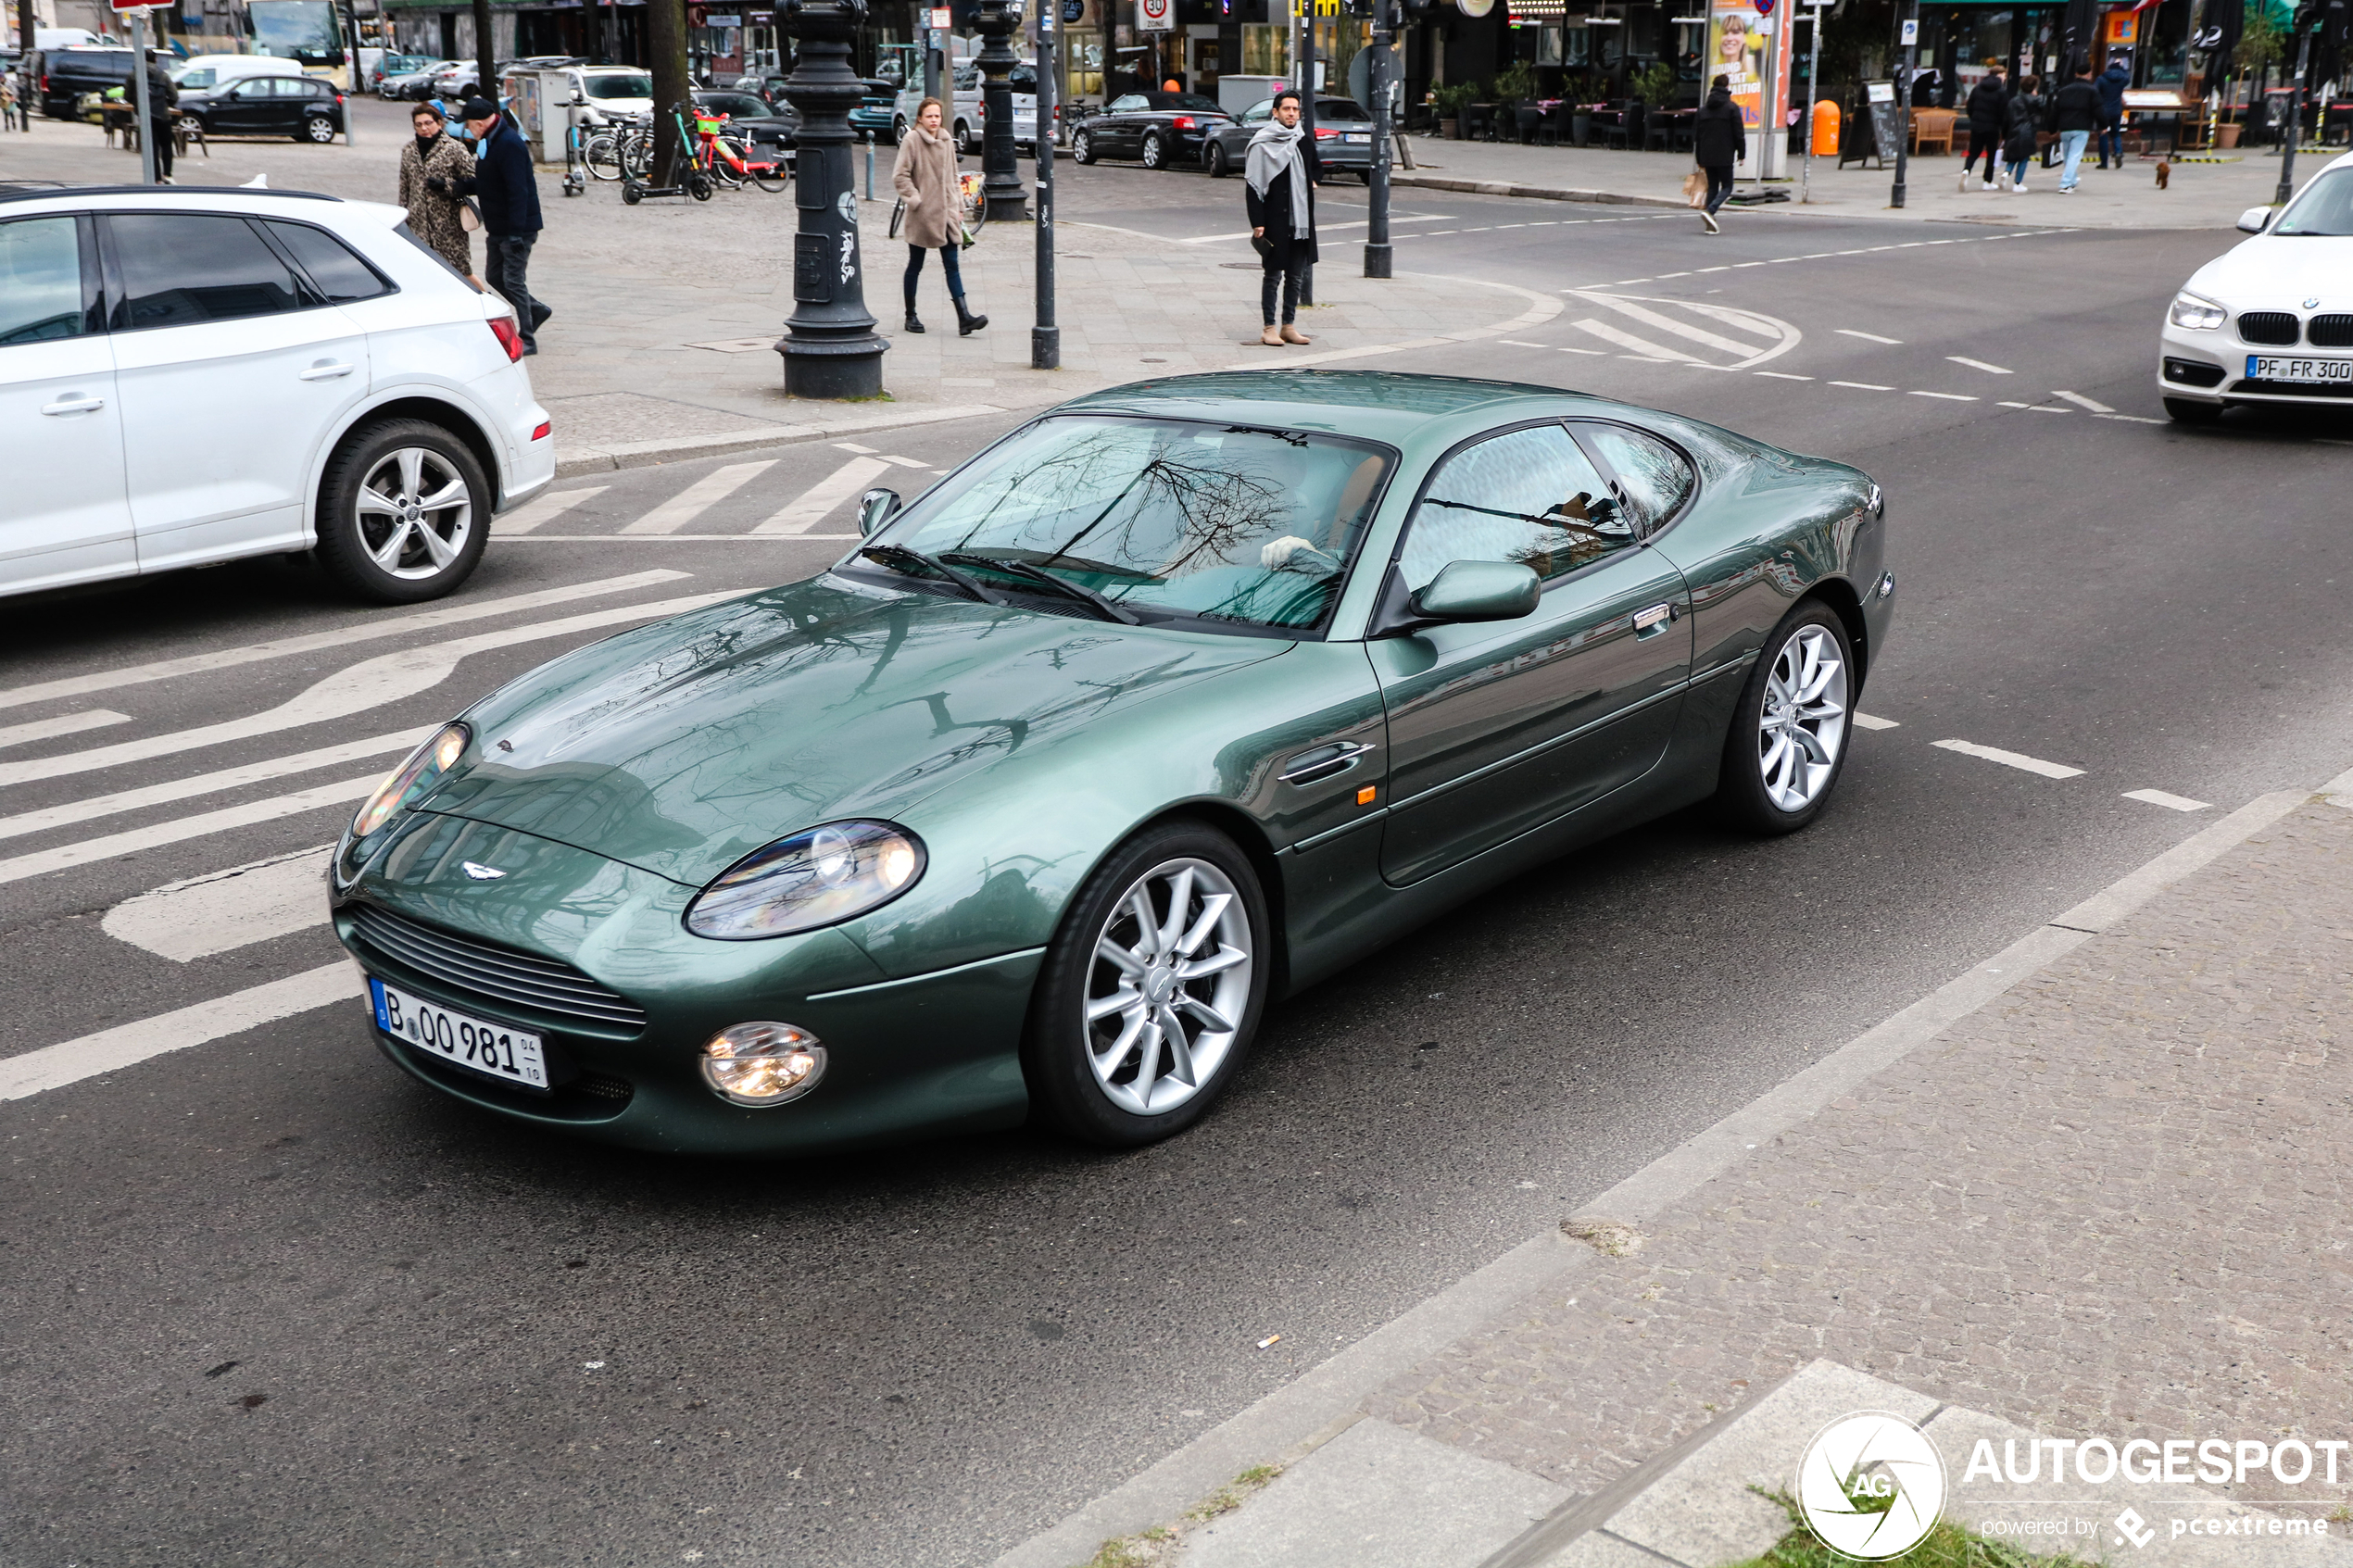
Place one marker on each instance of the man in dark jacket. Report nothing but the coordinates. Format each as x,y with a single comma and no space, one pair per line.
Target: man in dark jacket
1281,173
510,224
2112,82
1720,139
162,98
1989,118
2020,138
2075,110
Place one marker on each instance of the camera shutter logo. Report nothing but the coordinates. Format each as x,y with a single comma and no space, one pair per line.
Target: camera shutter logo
1871,1486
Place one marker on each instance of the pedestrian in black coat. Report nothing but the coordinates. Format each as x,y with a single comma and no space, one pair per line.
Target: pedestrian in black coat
2074,111
2026,120
1720,139
1281,173
508,191
1989,117
162,98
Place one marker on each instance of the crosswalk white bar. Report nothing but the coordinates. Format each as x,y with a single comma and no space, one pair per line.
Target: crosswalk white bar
226,910
127,1045
1667,323
824,495
66,724
530,515
349,793
1608,334
698,498
220,780
356,630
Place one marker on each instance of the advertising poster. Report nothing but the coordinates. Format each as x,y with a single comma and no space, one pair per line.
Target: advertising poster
1738,48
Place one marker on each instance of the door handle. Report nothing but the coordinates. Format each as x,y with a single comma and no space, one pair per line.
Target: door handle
323,371
1323,761
73,402
1652,621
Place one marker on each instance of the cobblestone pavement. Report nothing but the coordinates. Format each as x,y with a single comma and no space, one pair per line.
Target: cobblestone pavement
2114,1202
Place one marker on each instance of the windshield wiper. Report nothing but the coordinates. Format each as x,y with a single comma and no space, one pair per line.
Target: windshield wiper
899,557
1291,435
1107,609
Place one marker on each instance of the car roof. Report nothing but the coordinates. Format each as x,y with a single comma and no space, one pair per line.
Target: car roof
82,194
1384,405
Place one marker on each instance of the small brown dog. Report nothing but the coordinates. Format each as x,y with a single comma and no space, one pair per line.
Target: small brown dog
2164,173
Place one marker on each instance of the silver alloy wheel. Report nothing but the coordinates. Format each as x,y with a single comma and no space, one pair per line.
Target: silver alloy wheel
1154,157
1168,986
322,130
415,513
1803,722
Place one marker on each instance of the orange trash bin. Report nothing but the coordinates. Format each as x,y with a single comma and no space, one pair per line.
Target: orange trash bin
1826,119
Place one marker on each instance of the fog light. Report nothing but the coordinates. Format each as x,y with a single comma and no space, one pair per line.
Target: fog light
762,1063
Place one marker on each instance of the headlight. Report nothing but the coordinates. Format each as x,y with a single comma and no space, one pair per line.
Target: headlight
2199,315
762,1063
819,877
412,779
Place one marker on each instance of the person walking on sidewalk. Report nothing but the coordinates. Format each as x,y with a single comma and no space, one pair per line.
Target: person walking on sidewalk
1988,115
925,177
1280,173
436,215
2112,82
1719,141
510,194
162,99
2074,110
2026,120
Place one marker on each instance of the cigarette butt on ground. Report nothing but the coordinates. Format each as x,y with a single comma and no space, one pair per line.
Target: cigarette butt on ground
1268,1341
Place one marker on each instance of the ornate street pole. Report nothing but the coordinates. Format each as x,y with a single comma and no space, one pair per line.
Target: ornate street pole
830,346
1376,248
1001,176
1046,337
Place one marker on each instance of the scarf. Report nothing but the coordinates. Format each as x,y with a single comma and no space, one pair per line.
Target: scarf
1273,150
425,147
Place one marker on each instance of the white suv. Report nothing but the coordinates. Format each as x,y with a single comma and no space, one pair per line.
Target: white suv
189,375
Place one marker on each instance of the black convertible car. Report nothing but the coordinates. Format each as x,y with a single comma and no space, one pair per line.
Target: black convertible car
1157,129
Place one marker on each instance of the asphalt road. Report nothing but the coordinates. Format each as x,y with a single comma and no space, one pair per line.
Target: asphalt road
265,1301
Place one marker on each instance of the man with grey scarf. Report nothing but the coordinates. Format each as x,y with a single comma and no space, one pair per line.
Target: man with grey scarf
1282,172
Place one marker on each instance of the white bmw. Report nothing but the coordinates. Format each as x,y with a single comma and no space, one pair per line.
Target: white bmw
2270,320
189,376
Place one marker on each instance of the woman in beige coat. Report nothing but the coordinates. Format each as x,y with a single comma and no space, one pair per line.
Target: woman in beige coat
925,179
434,215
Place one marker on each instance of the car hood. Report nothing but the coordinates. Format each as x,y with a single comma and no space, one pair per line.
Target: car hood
2268,269
681,747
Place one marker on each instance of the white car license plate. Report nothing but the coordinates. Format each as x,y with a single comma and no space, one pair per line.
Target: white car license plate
2282,367
1357,137
495,1049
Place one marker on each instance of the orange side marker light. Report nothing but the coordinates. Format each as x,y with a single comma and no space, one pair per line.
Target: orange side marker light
1365,796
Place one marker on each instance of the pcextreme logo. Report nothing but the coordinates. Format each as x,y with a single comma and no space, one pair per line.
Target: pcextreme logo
1871,1486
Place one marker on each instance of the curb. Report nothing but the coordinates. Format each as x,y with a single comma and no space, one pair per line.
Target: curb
645,454
1537,193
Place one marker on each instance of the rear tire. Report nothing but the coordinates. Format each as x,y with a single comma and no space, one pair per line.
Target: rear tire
1788,745
317,129
2191,411
380,536
1214,159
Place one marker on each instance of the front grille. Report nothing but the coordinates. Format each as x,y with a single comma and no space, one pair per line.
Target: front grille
2329,332
2189,372
484,969
2296,388
2268,326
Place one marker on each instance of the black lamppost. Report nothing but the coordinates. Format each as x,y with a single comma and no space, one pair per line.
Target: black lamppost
1000,178
1376,248
1046,336
830,346
1907,17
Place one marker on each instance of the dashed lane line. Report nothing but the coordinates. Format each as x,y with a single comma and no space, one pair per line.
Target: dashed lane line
1948,396
1863,386
2089,404
2010,758
1978,365
1868,338
69,724
1784,375
342,636
2171,802
677,538
1873,721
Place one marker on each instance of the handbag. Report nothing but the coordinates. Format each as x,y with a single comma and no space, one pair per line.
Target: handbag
1695,188
468,215
898,217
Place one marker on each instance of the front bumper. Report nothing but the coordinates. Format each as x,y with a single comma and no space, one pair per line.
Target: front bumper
2210,367
930,1053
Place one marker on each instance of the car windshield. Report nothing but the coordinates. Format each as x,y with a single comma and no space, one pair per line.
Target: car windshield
1223,526
202,76
2324,207
629,84
1340,108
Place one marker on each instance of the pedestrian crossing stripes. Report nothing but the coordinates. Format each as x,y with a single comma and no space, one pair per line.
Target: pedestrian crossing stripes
1686,331
822,498
698,498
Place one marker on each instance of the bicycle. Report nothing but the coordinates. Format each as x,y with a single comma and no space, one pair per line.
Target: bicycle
731,162
972,204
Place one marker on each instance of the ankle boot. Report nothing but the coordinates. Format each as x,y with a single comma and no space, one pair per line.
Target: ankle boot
966,322
912,324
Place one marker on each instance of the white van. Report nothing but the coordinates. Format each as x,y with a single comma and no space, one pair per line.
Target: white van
965,117
203,73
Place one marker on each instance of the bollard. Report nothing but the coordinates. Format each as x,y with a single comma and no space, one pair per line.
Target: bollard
869,138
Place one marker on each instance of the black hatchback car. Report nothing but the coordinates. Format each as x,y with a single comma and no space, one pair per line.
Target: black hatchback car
1343,138
301,106
1157,129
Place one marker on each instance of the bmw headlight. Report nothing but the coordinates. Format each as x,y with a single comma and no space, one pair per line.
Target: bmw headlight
818,877
2199,315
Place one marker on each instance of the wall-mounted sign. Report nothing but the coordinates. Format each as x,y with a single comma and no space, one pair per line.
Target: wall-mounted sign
1073,10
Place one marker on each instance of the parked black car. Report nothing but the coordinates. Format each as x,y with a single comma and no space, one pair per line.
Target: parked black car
750,116
1157,129
67,73
1343,138
304,107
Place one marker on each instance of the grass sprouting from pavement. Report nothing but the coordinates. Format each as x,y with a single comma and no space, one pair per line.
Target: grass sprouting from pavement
1945,1546
1157,1545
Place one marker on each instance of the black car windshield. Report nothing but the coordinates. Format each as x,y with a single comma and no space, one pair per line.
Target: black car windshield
1192,101
635,84
1222,526
2325,208
1340,108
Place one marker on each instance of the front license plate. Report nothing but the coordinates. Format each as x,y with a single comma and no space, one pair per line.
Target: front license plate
495,1050
2283,367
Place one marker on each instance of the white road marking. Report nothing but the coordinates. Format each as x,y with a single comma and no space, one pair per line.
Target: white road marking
2010,758
225,909
698,498
1683,330
370,684
1863,386
1873,721
1948,396
91,806
1642,347
357,630
677,538
1506,342
1353,223
125,1044
906,462
2132,419
348,794
1868,338
1597,353
2083,402
1783,375
69,724
853,447
824,495
1977,365
525,518
2171,802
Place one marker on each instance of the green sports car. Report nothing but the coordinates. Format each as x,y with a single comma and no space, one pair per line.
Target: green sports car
1181,697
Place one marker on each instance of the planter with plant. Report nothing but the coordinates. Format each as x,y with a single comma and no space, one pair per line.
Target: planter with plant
1451,101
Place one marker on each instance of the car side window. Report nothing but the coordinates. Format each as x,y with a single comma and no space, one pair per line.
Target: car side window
1257,113
1128,105
1529,495
1652,475
181,269
41,295
341,275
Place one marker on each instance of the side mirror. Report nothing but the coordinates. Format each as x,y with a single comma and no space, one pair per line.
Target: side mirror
1478,590
874,508
2255,220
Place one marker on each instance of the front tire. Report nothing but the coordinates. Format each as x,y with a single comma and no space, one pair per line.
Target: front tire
1215,159
404,512
1788,746
2191,411
1082,147
1152,990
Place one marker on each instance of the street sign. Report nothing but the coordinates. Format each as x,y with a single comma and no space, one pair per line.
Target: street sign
1911,34
1764,7
1073,10
943,18
1156,16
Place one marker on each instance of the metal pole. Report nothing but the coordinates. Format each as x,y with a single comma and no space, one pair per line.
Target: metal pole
1045,337
1903,106
28,88
931,63
485,55
1813,90
830,346
1307,126
139,68
999,164
2295,120
351,69
868,137
1377,248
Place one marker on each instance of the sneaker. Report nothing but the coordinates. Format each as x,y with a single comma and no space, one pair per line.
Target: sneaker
1987,186
2020,187
1964,181
1710,219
